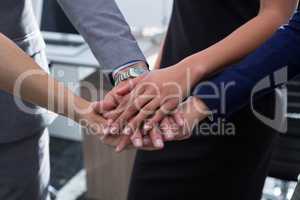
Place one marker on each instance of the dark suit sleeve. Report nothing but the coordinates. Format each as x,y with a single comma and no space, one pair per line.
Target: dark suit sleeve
228,91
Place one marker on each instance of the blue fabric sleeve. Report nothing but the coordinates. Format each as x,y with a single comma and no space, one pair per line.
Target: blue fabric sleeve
280,51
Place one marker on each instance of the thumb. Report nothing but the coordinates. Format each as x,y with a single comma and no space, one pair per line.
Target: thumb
103,106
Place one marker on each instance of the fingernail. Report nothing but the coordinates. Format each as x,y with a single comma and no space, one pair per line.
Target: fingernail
169,135
127,130
113,130
106,131
118,149
102,137
158,143
147,127
137,142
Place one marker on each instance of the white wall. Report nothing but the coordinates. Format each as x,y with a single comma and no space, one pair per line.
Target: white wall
140,13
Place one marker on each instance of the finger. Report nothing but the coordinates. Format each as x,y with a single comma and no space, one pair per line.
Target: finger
156,138
178,117
165,127
129,86
103,106
107,127
115,128
111,127
123,102
165,109
102,137
126,109
113,114
125,105
147,141
124,142
183,132
136,139
176,130
132,110
93,125
143,114
148,145
108,103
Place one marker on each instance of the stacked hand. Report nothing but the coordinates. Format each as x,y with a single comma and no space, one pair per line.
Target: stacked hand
147,111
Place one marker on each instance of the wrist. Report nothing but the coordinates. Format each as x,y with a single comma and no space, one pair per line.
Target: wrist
195,71
125,67
199,108
142,65
132,71
199,65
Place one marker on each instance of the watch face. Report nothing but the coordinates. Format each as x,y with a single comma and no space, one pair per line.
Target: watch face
137,71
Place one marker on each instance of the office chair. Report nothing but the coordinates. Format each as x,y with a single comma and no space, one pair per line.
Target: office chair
296,195
285,163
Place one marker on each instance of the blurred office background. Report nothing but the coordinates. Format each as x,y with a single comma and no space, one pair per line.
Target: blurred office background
71,61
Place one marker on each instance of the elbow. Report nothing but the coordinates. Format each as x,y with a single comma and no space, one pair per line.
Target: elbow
282,17
273,19
278,13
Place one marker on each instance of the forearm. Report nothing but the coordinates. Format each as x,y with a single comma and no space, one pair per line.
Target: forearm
280,51
19,71
237,45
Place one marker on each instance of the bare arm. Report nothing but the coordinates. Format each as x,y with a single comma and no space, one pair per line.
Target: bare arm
243,41
35,84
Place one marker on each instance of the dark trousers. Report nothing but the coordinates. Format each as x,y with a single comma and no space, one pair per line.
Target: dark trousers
204,167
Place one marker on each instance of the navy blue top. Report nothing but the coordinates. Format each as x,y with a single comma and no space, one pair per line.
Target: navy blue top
280,51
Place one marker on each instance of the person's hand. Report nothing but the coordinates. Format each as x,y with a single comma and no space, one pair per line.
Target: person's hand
155,95
117,140
111,139
192,111
87,114
110,104
84,114
110,136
